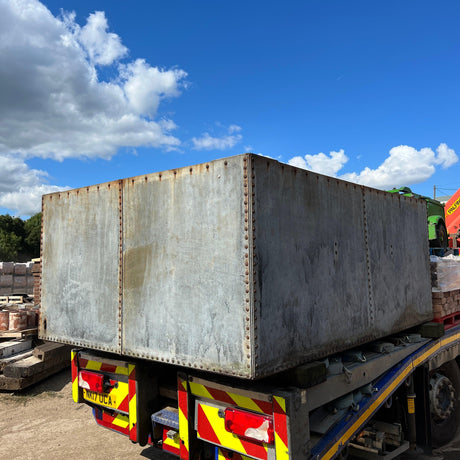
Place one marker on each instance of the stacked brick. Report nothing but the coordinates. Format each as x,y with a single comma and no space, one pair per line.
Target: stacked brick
16,278
37,271
446,303
445,282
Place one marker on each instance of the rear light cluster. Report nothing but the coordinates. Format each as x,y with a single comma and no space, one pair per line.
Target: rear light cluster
91,381
250,426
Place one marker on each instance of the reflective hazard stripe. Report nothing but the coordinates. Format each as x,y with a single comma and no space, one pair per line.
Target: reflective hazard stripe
182,397
281,429
228,397
116,422
120,398
171,445
132,402
74,369
93,365
211,427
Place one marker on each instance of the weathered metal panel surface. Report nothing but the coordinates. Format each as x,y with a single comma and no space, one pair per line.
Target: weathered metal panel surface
338,265
311,259
184,294
80,255
242,266
399,265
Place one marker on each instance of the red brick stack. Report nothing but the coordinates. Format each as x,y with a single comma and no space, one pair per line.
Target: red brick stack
37,271
445,282
445,303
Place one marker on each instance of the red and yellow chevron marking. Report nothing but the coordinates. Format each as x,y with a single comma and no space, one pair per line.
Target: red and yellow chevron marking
132,402
228,397
281,429
76,393
211,427
224,454
121,399
171,445
118,422
182,398
93,365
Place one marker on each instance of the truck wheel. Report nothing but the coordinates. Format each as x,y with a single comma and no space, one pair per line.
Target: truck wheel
441,236
444,403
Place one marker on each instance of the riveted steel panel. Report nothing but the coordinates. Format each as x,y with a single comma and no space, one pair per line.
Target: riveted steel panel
184,293
398,264
338,265
80,258
311,258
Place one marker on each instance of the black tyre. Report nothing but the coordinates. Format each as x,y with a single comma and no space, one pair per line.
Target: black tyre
441,236
444,403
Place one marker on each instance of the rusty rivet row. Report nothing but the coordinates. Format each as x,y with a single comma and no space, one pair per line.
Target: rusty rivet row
246,258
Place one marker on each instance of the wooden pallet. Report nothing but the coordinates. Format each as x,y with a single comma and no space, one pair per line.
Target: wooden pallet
449,320
12,299
18,334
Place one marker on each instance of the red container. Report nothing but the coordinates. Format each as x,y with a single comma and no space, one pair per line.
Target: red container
4,320
18,320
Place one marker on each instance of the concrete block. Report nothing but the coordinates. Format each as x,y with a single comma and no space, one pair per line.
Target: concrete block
7,268
20,282
6,281
20,269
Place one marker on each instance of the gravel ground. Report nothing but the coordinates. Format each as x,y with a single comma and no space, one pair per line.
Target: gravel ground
44,423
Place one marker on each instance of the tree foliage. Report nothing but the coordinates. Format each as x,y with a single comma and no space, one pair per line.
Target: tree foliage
19,240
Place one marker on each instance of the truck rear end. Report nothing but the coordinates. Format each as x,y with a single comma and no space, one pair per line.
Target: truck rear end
192,414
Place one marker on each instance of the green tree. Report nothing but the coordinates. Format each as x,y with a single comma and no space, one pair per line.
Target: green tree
10,245
33,231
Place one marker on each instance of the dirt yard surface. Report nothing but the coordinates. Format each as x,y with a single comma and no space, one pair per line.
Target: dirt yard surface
44,423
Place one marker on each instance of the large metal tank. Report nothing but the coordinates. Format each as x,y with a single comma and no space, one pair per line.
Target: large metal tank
241,266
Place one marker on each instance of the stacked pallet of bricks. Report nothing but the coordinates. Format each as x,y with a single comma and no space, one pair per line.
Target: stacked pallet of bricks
445,303
445,282
16,278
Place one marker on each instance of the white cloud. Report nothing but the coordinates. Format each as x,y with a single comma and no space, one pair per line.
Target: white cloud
103,47
321,163
405,165
208,142
21,188
234,129
446,156
145,86
52,101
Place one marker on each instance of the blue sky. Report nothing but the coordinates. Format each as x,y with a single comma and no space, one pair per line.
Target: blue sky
93,91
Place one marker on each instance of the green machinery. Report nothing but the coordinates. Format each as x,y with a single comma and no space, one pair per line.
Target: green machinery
437,231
